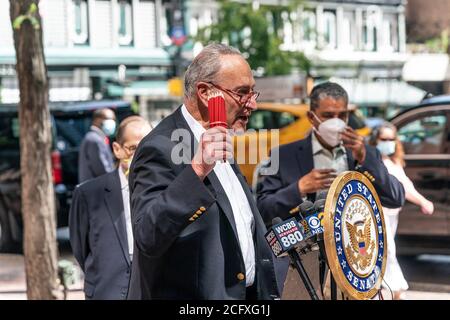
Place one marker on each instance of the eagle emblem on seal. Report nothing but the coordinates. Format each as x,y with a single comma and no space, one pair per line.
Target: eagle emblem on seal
361,248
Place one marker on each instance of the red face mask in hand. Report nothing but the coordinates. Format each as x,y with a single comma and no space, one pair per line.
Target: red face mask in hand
217,110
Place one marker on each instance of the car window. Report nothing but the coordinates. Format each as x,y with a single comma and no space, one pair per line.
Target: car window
261,119
356,120
266,119
70,131
9,132
423,135
283,119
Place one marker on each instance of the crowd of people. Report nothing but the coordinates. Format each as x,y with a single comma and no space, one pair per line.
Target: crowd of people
149,227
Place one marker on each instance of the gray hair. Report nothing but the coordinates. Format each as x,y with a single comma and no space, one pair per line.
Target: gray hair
327,89
205,66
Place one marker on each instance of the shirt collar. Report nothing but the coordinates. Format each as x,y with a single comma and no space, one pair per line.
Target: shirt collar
123,178
318,148
98,130
195,126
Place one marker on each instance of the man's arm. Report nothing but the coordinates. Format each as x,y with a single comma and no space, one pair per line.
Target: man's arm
79,227
99,162
389,189
163,201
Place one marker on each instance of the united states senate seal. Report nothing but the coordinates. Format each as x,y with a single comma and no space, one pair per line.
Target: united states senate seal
354,234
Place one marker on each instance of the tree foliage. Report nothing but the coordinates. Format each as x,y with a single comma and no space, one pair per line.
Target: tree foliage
257,33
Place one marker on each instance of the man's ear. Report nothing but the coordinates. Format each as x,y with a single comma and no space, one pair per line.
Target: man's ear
117,150
203,92
310,117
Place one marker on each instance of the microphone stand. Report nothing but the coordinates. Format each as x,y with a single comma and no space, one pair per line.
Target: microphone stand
323,263
296,260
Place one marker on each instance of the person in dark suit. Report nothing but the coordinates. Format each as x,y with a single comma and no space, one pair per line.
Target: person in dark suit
95,157
198,233
100,221
309,166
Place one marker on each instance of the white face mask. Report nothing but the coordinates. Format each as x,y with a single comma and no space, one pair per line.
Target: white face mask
330,130
109,127
386,148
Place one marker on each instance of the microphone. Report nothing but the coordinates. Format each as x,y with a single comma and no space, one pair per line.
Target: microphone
319,207
306,208
283,237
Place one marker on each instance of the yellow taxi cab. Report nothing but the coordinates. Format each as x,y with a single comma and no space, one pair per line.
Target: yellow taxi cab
274,124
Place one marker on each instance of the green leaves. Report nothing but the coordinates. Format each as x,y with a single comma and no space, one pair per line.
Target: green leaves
30,16
256,33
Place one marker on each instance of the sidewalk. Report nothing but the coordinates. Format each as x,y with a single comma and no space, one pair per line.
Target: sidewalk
13,283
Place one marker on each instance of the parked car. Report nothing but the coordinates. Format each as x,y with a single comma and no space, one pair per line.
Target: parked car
424,131
70,122
292,123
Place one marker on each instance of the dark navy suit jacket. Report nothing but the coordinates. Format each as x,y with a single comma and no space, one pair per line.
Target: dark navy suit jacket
95,157
186,243
279,193
98,237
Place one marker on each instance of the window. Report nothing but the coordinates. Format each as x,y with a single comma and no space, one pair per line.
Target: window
356,120
424,135
309,26
348,35
389,33
9,132
80,27
125,23
266,119
329,29
371,20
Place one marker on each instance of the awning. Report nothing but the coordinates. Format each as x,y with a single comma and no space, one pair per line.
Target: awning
427,67
150,88
87,56
377,93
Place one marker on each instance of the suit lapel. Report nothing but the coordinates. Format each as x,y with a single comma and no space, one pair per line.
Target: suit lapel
221,197
223,201
350,160
246,188
114,203
304,156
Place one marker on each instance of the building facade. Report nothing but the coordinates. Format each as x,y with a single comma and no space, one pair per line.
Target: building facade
427,26
96,49
358,43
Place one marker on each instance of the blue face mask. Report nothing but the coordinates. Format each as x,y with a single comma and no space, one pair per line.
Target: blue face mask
386,148
109,127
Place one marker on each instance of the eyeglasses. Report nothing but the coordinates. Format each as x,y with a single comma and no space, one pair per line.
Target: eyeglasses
382,139
131,149
244,98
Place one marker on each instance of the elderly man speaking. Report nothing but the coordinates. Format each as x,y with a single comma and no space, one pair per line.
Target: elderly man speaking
198,233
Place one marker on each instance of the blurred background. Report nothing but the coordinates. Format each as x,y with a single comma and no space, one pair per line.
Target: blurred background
392,57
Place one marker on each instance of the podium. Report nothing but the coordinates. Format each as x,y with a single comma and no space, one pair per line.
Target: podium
354,241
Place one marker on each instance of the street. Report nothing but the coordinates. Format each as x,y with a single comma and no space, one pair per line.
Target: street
428,276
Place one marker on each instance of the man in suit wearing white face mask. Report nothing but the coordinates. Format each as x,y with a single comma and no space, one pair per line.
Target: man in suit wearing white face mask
95,157
310,165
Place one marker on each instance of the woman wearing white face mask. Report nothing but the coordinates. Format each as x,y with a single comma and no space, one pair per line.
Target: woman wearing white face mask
386,140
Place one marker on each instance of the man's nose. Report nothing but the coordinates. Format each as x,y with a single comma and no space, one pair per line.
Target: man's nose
251,104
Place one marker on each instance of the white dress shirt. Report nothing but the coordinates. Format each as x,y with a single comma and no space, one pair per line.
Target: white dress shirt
126,210
242,212
326,159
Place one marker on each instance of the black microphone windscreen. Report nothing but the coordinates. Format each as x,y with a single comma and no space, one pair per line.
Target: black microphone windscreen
305,206
319,204
276,220
321,195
